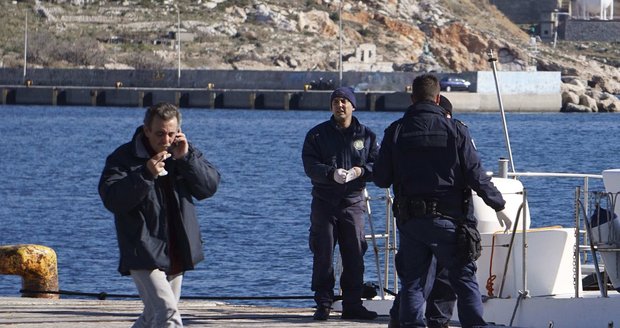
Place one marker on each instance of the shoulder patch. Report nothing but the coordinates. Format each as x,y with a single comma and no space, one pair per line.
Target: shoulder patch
460,122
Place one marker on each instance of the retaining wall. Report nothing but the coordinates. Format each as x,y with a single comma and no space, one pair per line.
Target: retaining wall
287,90
266,99
592,30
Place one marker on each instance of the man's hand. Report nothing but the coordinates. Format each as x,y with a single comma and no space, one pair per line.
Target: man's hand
156,164
340,175
504,220
354,173
179,147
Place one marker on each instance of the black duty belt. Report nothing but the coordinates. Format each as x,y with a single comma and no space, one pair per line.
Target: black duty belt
423,208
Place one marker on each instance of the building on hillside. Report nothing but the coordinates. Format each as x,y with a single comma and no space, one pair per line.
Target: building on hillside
367,60
575,20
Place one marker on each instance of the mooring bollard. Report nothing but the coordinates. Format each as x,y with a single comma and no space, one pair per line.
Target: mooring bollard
36,265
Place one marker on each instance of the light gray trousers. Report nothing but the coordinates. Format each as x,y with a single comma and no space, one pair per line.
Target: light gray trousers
160,294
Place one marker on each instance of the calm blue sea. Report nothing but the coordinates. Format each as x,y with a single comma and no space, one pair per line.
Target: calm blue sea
256,226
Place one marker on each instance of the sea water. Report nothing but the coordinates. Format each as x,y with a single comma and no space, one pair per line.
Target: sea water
255,228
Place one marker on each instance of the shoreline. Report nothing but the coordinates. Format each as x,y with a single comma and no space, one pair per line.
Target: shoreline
212,98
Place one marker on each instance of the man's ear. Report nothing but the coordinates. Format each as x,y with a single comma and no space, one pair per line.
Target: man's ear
437,99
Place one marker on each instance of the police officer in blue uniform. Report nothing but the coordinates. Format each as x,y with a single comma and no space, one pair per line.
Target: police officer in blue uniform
338,156
432,164
441,299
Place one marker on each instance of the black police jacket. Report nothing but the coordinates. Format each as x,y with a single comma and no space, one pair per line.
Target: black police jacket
327,148
426,155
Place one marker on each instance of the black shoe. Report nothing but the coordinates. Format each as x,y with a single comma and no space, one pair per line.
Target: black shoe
438,325
359,313
393,323
321,313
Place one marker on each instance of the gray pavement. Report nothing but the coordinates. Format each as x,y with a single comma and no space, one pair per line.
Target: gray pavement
69,313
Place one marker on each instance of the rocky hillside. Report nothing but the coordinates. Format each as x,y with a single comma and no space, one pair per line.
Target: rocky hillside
427,35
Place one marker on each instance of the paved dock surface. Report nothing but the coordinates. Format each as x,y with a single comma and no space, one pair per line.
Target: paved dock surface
66,313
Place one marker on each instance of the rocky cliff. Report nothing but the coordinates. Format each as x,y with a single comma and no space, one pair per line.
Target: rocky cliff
428,35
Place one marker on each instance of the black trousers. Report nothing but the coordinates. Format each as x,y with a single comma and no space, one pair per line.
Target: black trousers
343,225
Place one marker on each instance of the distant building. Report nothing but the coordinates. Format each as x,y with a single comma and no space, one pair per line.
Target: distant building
183,36
583,20
367,60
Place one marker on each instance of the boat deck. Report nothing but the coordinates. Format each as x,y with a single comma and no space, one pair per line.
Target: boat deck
67,313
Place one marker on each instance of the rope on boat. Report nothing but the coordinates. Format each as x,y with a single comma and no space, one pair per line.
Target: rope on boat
492,277
103,296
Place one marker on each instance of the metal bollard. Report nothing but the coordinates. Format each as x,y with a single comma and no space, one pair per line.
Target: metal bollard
36,265
503,168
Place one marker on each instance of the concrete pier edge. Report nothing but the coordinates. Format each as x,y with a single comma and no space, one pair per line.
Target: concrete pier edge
262,99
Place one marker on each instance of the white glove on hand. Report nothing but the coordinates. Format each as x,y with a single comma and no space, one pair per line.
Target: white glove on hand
340,175
504,220
353,174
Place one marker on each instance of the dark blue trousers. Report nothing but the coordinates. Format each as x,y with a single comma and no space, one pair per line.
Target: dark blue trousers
420,240
344,225
439,302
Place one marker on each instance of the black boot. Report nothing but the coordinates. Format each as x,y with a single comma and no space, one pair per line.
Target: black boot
321,313
393,323
358,313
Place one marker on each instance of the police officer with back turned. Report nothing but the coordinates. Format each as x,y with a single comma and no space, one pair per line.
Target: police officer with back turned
338,157
432,164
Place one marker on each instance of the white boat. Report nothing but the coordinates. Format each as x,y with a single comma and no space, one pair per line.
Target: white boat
535,277
539,273
528,276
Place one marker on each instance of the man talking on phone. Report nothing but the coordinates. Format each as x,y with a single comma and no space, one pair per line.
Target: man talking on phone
148,183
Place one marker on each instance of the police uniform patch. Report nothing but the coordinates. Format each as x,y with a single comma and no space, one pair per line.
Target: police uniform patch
358,144
461,122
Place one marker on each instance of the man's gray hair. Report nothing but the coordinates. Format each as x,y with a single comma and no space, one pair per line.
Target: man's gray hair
164,111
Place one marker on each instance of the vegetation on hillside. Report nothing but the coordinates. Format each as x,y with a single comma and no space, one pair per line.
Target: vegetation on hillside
266,34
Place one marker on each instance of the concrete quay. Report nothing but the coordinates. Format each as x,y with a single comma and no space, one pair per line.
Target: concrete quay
262,99
70,313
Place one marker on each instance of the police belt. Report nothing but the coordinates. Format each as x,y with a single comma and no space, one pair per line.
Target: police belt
424,208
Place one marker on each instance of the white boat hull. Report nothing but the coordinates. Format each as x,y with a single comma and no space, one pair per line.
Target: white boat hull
553,311
542,261
589,311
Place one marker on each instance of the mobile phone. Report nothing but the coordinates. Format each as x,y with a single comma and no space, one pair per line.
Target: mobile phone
174,142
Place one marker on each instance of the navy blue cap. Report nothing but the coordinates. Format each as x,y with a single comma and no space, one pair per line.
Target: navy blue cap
445,104
344,92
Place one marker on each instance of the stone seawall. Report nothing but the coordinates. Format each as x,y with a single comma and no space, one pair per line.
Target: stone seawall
380,91
261,99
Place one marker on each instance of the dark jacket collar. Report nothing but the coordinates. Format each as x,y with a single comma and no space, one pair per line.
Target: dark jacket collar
424,106
355,124
139,148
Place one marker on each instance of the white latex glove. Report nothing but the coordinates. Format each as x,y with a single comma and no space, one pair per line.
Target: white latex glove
504,220
353,174
340,175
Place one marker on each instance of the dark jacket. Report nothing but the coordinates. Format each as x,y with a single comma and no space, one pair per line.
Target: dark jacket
429,156
129,190
327,148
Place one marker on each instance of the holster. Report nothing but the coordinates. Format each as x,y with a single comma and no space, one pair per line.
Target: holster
468,243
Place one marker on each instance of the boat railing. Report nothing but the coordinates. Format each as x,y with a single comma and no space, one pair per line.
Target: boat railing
589,244
585,200
387,277
602,234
